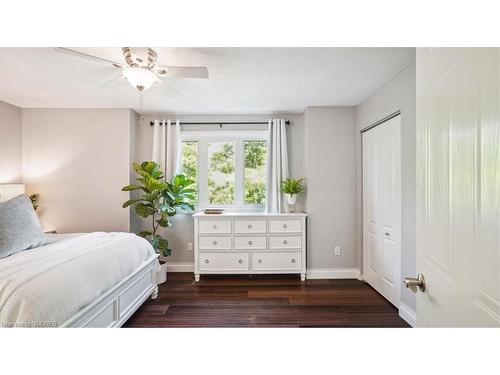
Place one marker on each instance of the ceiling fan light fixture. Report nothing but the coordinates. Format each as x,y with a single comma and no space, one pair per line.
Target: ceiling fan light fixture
141,78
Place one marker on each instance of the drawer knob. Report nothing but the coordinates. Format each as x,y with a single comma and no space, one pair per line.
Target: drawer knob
260,261
249,226
285,226
240,261
215,226
206,261
250,242
215,242
285,242
293,260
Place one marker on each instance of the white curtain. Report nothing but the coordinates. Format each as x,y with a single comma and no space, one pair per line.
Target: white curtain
277,164
166,146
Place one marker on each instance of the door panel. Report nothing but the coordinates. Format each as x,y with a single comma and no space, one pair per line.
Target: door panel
487,256
458,188
382,209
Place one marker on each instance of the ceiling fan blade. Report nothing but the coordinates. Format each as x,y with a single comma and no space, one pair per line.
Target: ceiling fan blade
166,89
182,71
88,57
113,79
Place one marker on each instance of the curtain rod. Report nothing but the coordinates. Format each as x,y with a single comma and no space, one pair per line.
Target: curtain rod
220,123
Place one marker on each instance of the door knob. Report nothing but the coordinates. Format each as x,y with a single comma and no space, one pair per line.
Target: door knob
413,283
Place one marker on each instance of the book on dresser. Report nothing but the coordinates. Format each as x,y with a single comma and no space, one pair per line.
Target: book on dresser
249,243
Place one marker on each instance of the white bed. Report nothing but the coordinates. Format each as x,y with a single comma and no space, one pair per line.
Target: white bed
81,280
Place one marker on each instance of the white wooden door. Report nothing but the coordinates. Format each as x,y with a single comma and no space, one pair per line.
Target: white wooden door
458,186
382,209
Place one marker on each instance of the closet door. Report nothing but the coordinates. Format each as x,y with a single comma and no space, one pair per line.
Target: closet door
382,209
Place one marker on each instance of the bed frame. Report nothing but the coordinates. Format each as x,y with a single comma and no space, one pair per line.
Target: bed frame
113,308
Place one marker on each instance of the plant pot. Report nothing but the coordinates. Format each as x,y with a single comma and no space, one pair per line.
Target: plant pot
291,199
161,275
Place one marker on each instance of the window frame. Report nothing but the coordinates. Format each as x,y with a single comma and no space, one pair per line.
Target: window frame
239,138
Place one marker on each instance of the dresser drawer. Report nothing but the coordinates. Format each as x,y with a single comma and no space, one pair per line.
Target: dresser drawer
215,243
250,242
249,226
223,261
288,261
215,226
285,226
285,242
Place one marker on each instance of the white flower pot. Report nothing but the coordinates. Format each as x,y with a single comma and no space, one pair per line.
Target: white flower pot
291,199
161,275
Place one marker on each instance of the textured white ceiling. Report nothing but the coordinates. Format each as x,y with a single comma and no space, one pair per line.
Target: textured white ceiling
242,80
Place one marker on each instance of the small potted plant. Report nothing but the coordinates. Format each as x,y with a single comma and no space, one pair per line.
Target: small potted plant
159,200
292,187
34,200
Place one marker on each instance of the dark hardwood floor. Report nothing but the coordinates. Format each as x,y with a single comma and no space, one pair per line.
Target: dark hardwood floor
265,301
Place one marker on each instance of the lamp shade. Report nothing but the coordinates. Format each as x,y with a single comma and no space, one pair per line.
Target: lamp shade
140,78
9,191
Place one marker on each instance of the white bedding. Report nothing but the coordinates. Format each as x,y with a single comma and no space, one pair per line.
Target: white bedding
47,285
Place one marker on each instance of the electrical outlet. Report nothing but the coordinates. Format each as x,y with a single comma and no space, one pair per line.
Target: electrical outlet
336,250
190,246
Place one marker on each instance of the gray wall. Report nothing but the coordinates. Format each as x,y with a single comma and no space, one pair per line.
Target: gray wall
397,94
182,230
78,160
330,146
10,143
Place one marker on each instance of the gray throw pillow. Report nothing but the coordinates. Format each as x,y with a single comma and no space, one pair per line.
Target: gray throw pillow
20,228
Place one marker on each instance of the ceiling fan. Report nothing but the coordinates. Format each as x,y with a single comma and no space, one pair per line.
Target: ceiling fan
141,69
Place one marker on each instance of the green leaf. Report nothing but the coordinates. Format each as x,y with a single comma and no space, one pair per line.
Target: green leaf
160,245
154,184
166,208
188,208
145,233
151,197
166,252
144,209
130,201
164,222
131,187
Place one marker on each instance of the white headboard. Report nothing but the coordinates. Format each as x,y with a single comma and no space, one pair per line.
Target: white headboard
9,191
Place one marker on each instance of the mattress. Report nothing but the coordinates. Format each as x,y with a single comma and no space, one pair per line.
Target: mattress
45,286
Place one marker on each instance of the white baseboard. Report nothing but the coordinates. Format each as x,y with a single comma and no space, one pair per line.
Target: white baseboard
314,273
180,267
333,273
408,314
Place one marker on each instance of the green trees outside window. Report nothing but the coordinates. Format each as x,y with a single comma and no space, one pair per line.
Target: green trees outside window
221,166
233,170
255,172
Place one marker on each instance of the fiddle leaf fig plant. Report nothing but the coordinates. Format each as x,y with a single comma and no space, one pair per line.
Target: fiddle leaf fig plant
159,200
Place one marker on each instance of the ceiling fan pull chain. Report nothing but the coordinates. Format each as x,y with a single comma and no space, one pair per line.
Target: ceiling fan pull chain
141,102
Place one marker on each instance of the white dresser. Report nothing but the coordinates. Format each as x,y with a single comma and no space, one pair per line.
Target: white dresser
249,243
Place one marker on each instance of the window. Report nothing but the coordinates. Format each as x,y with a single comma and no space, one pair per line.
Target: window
255,172
221,166
229,168
189,153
